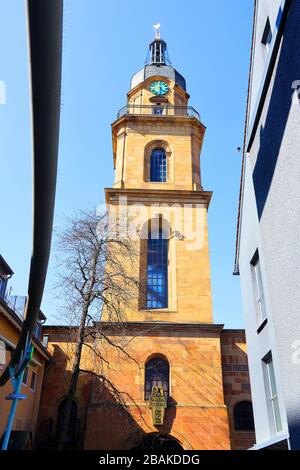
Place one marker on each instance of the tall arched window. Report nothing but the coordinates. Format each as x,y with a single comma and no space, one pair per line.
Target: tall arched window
243,416
73,428
157,373
158,166
157,270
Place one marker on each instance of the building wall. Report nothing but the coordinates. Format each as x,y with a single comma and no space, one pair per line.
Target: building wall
270,212
236,383
183,137
188,254
258,344
27,410
197,415
264,9
54,388
276,186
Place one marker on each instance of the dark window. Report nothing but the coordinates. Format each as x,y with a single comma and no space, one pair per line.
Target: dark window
2,290
73,428
37,330
158,166
158,110
243,416
156,375
3,284
157,271
267,34
33,380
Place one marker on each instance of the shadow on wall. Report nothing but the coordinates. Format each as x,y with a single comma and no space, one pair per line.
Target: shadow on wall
237,392
112,425
271,135
100,419
54,388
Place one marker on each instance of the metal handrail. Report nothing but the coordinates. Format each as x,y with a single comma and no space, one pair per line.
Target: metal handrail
158,110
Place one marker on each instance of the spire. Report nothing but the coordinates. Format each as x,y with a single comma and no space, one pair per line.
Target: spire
157,48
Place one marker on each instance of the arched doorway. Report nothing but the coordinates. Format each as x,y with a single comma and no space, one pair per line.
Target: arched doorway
243,416
72,435
159,442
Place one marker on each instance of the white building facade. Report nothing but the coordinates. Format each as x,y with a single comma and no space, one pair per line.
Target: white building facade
268,235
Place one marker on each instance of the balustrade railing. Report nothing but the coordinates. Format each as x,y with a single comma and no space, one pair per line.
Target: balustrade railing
159,110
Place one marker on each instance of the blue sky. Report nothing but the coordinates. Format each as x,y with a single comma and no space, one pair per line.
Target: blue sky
104,44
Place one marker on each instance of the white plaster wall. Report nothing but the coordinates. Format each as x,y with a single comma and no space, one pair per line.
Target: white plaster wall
277,235
265,9
258,344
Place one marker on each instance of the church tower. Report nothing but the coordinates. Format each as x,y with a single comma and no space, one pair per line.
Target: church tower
163,376
157,140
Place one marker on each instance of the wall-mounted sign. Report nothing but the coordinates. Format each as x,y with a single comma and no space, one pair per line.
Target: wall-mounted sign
157,404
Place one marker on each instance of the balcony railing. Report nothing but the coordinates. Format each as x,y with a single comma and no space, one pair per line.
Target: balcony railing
159,110
17,304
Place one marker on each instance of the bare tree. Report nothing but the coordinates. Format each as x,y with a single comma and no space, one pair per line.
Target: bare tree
96,278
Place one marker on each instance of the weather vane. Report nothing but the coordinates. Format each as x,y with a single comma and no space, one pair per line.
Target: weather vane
157,30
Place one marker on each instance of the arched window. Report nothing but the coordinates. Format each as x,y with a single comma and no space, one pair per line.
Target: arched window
73,428
156,375
243,416
158,165
157,270
159,442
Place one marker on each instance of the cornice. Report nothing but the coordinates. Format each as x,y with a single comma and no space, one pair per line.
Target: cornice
161,194
147,327
157,119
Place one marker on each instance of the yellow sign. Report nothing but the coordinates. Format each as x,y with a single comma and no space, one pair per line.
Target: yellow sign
157,404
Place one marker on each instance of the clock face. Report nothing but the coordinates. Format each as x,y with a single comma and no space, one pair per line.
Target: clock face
159,88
